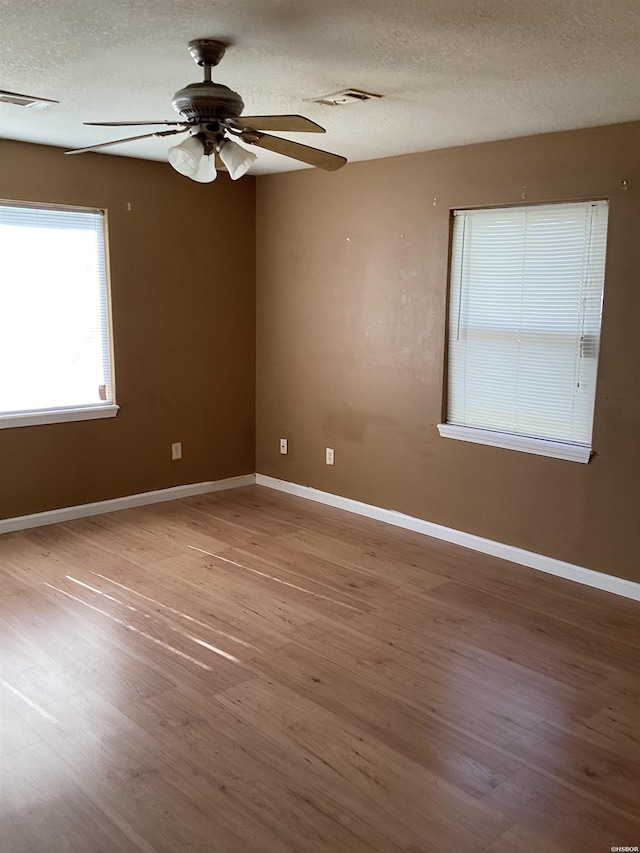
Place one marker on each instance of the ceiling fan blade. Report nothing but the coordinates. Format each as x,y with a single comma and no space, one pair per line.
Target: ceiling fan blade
303,153
131,123
128,139
294,123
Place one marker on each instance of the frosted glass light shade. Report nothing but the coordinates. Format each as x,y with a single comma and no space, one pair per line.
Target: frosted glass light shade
185,158
206,170
236,158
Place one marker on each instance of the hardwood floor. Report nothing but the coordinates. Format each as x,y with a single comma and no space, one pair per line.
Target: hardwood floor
248,671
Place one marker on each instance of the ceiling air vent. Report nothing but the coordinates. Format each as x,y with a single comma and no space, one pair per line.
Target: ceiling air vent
346,96
25,100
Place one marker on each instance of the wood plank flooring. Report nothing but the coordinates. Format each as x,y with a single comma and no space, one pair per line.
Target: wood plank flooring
248,671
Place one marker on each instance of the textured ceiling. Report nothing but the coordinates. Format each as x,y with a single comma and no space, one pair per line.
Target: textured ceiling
451,71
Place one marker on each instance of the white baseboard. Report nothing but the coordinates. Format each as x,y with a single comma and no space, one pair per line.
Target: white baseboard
67,513
589,577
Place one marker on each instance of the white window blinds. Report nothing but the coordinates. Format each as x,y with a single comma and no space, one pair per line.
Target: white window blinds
525,307
54,317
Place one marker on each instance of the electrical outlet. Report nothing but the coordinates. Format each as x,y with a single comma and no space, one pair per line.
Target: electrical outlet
329,456
176,450
284,446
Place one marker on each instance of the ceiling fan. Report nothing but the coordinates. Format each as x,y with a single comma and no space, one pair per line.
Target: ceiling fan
211,115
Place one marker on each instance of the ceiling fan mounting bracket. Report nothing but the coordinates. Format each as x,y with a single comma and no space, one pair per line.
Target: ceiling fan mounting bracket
207,51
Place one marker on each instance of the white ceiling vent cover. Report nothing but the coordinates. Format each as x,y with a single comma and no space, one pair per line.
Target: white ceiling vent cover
346,96
25,100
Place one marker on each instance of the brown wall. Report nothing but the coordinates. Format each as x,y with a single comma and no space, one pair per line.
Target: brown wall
351,298
183,293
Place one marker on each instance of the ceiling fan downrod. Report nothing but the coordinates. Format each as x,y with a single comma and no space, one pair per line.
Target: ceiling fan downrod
207,102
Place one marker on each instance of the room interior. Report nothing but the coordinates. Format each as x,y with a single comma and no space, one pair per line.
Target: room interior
357,684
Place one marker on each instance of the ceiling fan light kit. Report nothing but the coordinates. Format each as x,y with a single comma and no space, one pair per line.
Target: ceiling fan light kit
212,115
192,160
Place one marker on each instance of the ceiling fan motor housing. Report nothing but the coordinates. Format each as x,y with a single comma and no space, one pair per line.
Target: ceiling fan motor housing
207,101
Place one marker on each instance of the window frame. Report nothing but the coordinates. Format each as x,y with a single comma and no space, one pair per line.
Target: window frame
65,414
565,450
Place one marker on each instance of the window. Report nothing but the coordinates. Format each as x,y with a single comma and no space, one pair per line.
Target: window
526,288
55,341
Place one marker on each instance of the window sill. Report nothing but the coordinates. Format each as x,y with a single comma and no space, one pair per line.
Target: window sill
57,416
539,446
